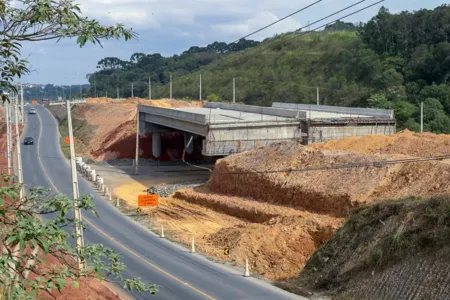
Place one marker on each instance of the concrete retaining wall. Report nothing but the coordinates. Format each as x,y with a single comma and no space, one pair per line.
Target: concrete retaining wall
374,112
225,141
323,133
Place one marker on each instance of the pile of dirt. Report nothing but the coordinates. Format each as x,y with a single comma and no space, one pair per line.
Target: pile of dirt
324,181
404,142
391,250
111,129
276,240
279,247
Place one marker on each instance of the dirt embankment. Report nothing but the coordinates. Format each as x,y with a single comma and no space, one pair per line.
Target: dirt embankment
106,128
325,181
405,142
285,216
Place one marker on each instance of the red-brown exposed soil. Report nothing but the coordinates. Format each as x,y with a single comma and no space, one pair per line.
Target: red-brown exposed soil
114,130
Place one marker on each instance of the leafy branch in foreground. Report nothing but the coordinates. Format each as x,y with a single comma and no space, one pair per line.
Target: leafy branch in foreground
41,20
35,231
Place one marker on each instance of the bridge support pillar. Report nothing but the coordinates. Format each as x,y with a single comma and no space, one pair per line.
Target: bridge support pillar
189,146
156,144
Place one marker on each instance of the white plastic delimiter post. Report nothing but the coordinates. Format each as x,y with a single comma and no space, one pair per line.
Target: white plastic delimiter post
247,270
162,231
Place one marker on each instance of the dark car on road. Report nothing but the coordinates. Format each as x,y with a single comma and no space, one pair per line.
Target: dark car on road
28,140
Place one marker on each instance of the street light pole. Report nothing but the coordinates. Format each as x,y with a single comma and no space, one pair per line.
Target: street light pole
78,226
21,101
8,135
136,162
19,155
234,90
149,88
318,96
170,86
200,87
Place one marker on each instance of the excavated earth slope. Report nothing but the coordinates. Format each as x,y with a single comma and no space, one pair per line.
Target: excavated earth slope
316,188
324,181
111,127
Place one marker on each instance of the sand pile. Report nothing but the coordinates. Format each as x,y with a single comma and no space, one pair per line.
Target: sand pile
404,142
332,191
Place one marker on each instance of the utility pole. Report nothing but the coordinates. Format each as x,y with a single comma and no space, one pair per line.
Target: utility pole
81,93
318,96
149,88
8,136
10,131
170,86
78,226
136,162
421,116
117,93
132,90
234,90
70,91
200,87
19,155
21,101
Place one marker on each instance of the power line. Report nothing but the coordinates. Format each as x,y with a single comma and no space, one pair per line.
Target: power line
271,24
263,47
300,10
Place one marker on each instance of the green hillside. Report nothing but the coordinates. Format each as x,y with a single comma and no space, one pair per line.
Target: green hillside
393,61
389,250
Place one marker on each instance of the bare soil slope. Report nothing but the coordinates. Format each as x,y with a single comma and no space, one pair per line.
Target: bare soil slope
405,142
324,181
107,127
289,214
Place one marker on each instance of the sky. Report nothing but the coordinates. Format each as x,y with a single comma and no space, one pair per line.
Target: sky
170,27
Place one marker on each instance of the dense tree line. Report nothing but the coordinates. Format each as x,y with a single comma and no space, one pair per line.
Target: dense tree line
116,76
393,61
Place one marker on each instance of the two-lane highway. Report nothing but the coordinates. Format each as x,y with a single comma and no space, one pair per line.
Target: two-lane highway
178,273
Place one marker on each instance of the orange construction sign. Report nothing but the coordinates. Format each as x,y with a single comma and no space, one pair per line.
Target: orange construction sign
148,200
33,102
68,140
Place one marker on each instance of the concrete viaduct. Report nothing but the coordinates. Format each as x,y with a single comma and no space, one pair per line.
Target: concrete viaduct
223,128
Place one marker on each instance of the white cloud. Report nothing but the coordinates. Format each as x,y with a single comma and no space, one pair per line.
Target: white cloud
171,26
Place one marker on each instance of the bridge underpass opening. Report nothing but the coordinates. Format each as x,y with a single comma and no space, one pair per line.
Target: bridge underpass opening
169,146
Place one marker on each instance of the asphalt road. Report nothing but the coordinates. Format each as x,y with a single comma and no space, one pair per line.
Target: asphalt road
178,273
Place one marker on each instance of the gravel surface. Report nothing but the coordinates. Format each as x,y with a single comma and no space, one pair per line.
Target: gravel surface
144,162
164,190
